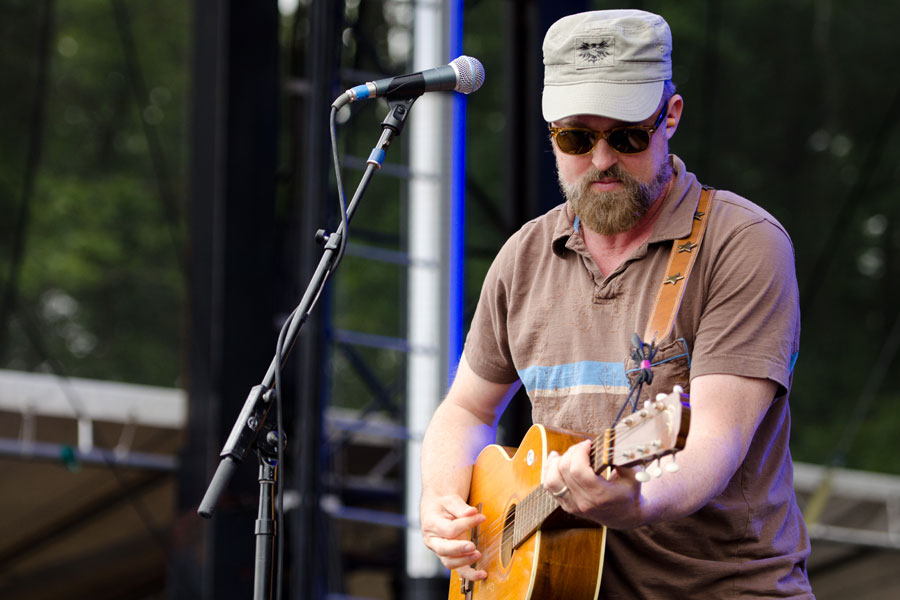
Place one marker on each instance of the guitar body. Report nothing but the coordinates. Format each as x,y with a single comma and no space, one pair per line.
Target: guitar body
561,560
530,547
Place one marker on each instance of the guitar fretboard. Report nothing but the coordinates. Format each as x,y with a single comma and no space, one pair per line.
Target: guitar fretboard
533,509
531,512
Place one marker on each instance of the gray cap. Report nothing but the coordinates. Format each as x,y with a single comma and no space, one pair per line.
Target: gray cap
611,63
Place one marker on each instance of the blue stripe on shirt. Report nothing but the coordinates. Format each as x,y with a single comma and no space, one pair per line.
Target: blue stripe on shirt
561,377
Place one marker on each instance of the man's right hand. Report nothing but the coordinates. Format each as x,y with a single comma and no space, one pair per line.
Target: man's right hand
447,522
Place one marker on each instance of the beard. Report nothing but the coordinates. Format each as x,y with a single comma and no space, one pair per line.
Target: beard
618,211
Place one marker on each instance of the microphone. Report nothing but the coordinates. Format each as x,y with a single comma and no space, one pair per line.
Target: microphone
465,74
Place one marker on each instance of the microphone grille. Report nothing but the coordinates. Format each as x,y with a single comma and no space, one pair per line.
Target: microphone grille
470,73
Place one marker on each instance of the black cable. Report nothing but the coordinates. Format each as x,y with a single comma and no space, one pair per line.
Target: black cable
345,223
279,479
864,402
9,305
831,242
640,352
709,87
822,264
167,197
32,162
36,338
280,357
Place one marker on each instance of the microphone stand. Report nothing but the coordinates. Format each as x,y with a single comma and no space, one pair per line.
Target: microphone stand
267,452
252,418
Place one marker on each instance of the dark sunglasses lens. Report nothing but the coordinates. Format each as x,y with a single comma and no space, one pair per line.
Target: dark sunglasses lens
575,141
629,141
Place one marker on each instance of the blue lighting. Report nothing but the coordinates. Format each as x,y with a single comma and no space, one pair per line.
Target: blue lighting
457,204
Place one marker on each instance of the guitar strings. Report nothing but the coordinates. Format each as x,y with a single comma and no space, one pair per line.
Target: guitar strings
488,539
499,525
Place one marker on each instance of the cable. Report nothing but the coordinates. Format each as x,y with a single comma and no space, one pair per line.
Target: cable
167,196
9,305
279,480
642,354
36,338
280,356
831,242
345,223
873,384
710,86
816,503
32,162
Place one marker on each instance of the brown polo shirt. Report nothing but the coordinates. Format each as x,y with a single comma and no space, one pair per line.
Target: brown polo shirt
549,317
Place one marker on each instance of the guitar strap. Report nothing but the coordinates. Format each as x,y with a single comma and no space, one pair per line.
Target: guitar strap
681,261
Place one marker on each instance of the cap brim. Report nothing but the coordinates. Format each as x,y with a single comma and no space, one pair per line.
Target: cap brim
632,102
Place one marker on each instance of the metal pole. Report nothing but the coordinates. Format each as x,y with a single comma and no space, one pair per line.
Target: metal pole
430,133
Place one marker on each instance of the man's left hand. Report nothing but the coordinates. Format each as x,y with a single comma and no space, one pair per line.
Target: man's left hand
614,502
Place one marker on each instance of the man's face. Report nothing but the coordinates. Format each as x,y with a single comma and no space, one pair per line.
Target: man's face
610,192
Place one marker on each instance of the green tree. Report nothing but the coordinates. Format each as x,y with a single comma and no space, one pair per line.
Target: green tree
101,281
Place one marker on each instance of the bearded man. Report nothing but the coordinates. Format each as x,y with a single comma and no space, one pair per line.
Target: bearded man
559,312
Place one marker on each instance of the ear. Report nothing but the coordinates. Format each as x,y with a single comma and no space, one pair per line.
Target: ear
676,105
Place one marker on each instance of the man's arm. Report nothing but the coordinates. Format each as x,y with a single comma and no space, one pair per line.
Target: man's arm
462,425
725,412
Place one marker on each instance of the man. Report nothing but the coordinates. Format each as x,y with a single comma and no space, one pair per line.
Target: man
558,311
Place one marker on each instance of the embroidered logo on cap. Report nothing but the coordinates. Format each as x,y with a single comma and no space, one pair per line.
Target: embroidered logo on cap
591,53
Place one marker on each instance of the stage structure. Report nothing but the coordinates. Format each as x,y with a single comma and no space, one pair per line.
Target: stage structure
374,385
856,539
361,386
357,478
436,198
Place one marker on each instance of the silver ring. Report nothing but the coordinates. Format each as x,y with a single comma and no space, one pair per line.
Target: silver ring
560,492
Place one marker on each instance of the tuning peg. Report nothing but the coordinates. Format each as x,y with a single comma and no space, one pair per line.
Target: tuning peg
642,476
655,471
660,397
672,467
678,389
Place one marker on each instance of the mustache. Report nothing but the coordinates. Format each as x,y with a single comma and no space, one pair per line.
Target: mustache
615,172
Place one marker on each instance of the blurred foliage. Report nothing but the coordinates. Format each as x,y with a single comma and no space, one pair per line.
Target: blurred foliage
101,286
787,102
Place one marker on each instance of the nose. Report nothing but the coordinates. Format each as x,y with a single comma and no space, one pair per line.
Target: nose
603,157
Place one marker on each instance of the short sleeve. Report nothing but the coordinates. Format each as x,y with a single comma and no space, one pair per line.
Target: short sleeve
487,344
750,321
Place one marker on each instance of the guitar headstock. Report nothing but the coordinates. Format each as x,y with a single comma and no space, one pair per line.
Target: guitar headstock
657,429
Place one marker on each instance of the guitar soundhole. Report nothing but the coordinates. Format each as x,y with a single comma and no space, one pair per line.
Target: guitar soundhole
506,540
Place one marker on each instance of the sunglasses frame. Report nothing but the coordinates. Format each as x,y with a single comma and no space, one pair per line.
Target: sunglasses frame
604,135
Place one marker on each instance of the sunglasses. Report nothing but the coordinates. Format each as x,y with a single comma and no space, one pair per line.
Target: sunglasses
630,139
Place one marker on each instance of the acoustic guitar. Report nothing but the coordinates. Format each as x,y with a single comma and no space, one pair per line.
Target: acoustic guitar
531,548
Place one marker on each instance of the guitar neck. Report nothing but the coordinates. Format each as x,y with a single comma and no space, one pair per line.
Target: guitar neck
539,504
657,429
531,513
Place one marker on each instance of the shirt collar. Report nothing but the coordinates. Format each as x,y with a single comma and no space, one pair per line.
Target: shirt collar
674,222
677,214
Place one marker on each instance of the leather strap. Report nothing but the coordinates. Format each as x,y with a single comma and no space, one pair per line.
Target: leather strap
681,261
